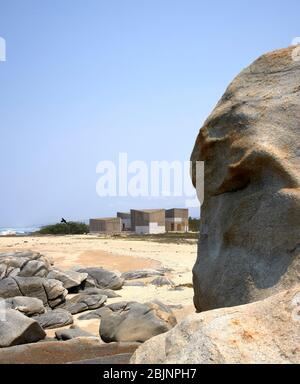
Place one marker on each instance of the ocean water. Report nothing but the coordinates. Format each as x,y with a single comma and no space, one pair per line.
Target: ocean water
5,231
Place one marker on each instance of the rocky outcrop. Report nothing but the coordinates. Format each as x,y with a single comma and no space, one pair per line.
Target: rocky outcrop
72,333
54,319
132,321
250,218
16,328
25,264
27,305
266,331
61,352
141,273
83,302
69,279
51,292
102,278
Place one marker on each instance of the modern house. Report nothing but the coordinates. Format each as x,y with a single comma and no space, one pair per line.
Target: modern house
125,220
177,220
106,225
148,221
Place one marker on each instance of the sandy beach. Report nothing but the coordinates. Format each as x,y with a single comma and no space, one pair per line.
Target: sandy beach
119,254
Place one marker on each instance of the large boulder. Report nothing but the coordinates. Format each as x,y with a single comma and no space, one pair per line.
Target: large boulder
16,328
27,305
262,332
51,292
102,278
72,333
132,321
250,218
83,302
61,352
26,264
69,279
54,318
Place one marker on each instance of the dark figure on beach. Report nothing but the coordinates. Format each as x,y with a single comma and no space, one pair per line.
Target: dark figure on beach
63,221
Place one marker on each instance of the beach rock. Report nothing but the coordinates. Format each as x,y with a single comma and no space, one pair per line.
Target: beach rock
27,305
51,292
132,321
72,333
16,328
250,218
160,281
98,291
266,331
96,314
102,278
69,279
54,318
131,283
141,273
26,264
62,352
83,302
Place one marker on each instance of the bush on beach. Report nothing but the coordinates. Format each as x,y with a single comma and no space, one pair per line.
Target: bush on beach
71,227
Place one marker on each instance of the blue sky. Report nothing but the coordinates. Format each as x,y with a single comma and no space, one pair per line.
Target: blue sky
87,79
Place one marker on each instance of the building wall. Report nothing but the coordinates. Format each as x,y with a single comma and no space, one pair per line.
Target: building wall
177,220
125,220
152,228
110,225
147,222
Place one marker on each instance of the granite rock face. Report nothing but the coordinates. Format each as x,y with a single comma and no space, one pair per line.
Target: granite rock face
250,218
16,328
266,331
135,322
102,278
51,292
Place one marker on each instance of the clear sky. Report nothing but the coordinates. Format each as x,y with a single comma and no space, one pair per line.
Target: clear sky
87,79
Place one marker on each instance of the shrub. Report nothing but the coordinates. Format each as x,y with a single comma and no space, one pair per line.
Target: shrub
71,227
194,224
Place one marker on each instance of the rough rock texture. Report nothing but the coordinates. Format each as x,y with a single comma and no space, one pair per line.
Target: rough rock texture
83,302
27,305
69,279
61,352
266,331
160,281
16,328
102,278
51,292
97,291
132,321
96,314
54,319
141,273
250,219
72,333
26,264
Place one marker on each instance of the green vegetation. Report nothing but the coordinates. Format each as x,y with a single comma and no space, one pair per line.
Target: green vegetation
194,224
71,228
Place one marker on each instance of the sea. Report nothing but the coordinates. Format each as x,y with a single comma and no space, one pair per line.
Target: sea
7,231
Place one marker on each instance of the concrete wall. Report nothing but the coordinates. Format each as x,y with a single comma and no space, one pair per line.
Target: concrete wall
106,225
177,220
148,221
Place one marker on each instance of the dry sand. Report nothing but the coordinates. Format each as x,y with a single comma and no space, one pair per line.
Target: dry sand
122,254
